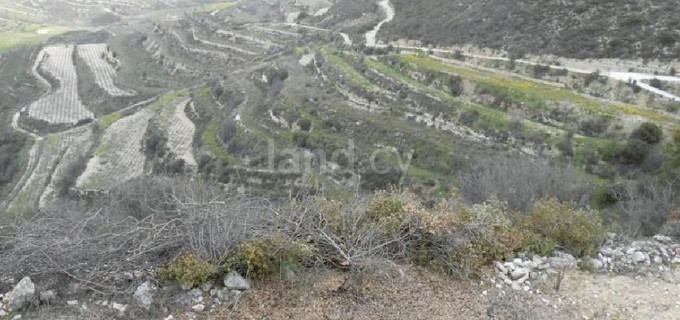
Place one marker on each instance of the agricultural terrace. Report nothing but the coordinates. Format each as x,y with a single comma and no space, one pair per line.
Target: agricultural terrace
118,157
180,130
97,57
53,151
62,104
77,143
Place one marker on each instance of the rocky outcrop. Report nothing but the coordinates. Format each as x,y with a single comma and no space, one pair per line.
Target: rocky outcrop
21,295
234,281
143,296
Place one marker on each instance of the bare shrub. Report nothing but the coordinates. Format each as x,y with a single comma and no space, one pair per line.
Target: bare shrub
521,181
645,205
672,226
348,234
138,227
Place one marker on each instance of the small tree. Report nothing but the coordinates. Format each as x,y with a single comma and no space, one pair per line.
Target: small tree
656,83
634,152
565,145
455,85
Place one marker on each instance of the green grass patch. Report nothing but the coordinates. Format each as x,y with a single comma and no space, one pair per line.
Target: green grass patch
107,120
210,7
204,92
167,99
211,139
346,69
28,34
103,149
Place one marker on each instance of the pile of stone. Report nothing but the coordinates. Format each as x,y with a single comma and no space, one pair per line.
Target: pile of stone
234,287
652,256
655,254
520,272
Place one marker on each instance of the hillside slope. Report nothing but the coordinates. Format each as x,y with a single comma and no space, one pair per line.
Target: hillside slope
581,29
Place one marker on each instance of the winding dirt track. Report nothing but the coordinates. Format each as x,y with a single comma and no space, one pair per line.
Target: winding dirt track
389,11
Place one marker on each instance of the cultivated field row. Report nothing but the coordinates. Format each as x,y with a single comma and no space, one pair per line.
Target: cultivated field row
76,144
118,157
62,105
180,131
95,58
52,155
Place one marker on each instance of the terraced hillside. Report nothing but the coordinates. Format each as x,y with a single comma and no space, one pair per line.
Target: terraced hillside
264,104
91,12
278,139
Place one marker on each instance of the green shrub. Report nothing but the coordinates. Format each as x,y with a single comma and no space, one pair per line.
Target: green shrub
155,142
482,234
565,145
455,84
648,132
467,259
188,270
538,244
587,265
576,231
633,153
656,83
260,258
387,213
385,207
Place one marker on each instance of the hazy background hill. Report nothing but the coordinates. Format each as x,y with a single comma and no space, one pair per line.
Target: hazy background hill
581,29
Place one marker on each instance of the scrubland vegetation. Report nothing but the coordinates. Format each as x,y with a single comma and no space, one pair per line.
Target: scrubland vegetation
192,231
594,29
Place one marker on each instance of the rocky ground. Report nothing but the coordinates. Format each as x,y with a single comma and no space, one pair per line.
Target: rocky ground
624,280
